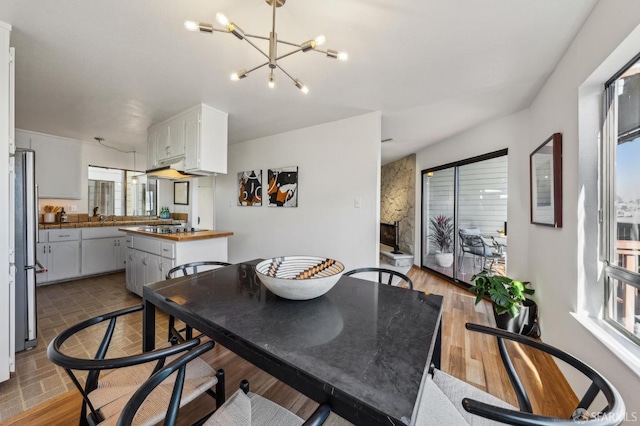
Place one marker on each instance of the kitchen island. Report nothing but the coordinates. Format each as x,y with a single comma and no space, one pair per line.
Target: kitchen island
153,250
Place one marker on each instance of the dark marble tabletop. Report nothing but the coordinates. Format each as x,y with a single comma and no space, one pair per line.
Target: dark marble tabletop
362,347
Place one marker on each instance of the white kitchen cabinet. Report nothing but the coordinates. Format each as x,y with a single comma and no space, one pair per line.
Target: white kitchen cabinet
42,276
121,253
103,250
60,255
152,160
170,141
132,257
58,164
146,262
205,140
197,135
98,256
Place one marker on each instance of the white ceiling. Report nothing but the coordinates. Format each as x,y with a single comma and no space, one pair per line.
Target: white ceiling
434,68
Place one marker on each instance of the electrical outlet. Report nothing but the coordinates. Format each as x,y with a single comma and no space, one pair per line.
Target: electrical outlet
73,208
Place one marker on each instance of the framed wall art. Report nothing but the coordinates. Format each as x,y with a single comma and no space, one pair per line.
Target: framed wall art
546,182
283,187
181,193
250,188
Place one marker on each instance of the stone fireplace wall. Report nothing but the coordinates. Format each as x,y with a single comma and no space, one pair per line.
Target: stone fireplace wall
397,198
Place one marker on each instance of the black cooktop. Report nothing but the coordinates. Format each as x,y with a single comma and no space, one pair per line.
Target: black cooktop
169,229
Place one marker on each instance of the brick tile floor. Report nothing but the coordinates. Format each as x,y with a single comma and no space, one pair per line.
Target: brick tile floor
60,306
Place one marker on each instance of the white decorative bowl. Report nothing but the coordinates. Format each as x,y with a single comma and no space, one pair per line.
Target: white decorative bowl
299,277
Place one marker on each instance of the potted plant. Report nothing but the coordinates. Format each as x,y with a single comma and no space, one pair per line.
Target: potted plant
442,236
513,311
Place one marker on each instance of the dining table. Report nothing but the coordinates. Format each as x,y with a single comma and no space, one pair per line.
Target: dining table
364,348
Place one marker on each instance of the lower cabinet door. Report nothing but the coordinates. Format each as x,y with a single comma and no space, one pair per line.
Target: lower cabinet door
98,256
131,269
43,257
154,269
64,260
167,264
140,266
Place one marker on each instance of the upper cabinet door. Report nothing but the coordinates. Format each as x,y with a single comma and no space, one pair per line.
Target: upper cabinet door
176,138
192,141
58,164
162,143
152,161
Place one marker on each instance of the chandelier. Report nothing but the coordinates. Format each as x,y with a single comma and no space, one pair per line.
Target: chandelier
272,56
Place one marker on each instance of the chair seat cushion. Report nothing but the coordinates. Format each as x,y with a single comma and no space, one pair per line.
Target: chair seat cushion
435,408
116,390
456,389
252,410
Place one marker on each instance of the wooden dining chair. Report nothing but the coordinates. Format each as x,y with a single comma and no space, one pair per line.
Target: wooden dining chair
448,400
105,395
385,276
175,335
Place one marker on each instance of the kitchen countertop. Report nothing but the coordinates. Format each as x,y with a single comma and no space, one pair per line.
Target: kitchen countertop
94,224
188,236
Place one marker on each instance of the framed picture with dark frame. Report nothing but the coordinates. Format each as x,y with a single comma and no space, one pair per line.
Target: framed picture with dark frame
545,183
181,193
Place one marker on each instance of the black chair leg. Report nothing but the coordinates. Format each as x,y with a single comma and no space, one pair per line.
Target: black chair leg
220,395
244,385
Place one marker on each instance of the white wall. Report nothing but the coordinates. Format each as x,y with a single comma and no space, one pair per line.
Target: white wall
562,263
337,163
509,132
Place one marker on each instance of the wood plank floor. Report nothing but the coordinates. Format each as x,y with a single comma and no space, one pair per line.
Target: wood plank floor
469,356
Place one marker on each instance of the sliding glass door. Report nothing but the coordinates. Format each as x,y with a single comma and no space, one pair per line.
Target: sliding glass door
464,217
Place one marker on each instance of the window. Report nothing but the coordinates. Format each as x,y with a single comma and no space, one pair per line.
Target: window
121,192
620,200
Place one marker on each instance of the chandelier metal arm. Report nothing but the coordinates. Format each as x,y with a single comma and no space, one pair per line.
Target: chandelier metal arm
286,73
289,43
288,54
257,48
257,36
256,68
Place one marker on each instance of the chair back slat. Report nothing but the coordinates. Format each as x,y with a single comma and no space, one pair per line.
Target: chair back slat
192,267
380,272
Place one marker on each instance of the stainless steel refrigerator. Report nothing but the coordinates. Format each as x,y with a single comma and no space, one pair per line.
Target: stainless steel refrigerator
26,230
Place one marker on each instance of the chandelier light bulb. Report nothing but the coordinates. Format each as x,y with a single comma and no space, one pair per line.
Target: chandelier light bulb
134,180
238,75
304,89
272,80
191,26
343,56
222,19
320,40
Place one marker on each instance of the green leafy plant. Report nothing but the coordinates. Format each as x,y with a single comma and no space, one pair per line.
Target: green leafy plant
442,232
506,293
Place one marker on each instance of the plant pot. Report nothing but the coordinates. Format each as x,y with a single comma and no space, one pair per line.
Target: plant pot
444,259
526,323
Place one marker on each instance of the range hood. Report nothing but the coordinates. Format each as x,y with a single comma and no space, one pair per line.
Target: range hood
171,171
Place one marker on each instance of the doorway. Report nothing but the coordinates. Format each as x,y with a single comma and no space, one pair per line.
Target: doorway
464,217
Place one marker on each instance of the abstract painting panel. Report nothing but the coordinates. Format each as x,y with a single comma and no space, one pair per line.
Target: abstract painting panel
250,188
283,187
